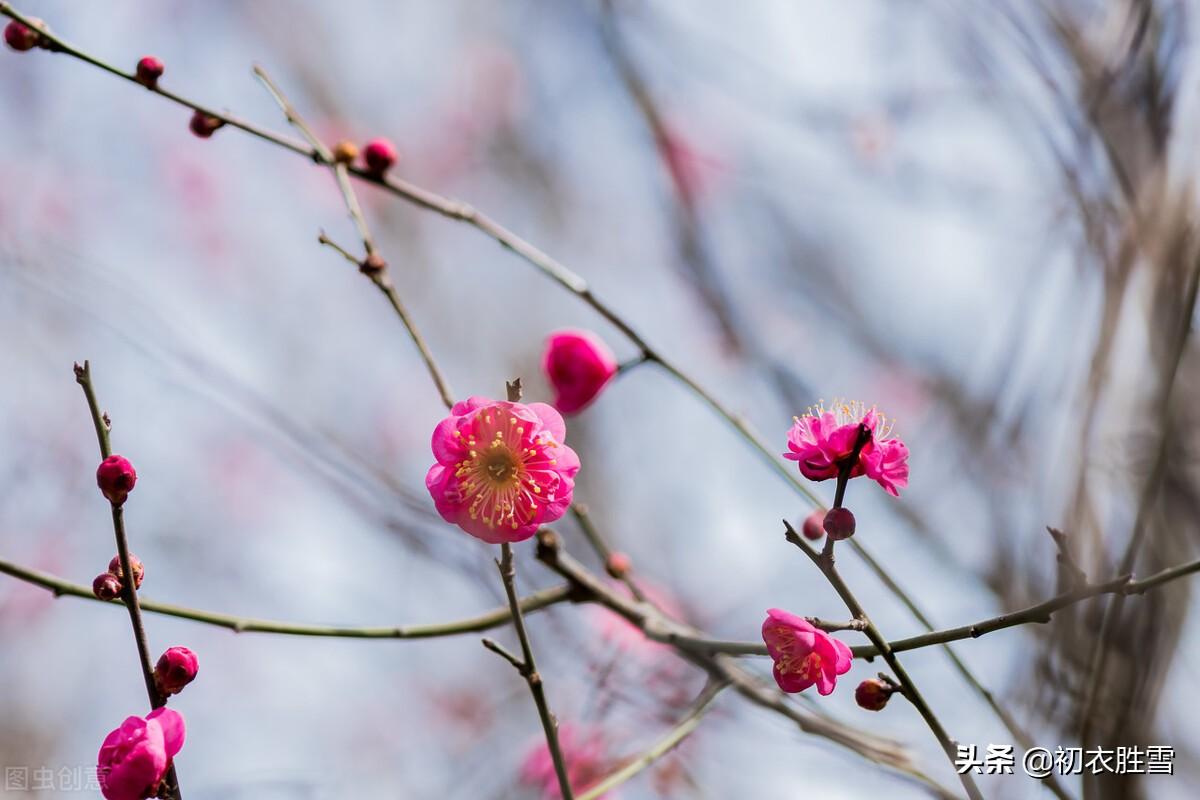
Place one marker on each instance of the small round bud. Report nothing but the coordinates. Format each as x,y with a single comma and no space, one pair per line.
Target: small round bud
618,565
379,155
814,525
204,125
21,37
839,524
149,70
176,668
135,564
345,152
873,694
107,586
116,478
372,265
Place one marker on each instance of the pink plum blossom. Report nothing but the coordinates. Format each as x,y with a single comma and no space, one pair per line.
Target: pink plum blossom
803,654
502,468
135,757
824,438
584,754
578,364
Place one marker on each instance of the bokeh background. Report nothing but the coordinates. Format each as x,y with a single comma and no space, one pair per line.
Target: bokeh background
979,216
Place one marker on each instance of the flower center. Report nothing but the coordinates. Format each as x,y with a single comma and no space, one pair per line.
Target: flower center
808,668
848,412
500,466
502,479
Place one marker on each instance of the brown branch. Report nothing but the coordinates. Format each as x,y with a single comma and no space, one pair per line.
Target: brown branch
83,376
825,562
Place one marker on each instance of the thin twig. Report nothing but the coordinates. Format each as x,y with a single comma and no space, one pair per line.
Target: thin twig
83,376
527,668
666,744
372,265
825,562
491,619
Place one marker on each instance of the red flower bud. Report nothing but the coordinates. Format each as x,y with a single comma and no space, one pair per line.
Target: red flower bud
873,694
176,668
116,477
107,586
135,564
149,70
21,37
379,155
814,525
839,523
204,125
618,565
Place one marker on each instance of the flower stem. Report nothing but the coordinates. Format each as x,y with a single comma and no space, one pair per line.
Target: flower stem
824,561
83,376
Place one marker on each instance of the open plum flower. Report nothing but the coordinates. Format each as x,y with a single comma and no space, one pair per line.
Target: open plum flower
136,756
803,654
823,439
502,468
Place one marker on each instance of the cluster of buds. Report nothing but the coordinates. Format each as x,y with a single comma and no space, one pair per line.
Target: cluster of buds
109,585
22,37
837,523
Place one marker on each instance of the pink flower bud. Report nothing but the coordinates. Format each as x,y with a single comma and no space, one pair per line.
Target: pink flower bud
176,668
379,155
204,125
136,756
839,523
578,365
618,565
116,477
149,70
814,525
873,694
135,564
107,586
21,37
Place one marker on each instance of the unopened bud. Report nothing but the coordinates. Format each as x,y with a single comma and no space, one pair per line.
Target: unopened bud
372,265
176,668
379,155
149,70
135,564
839,524
345,152
814,523
204,125
116,477
107,586
618,565
21,37
873,694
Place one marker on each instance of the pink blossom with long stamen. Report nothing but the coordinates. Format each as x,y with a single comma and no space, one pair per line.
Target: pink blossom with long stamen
804,655
823,439
502,468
